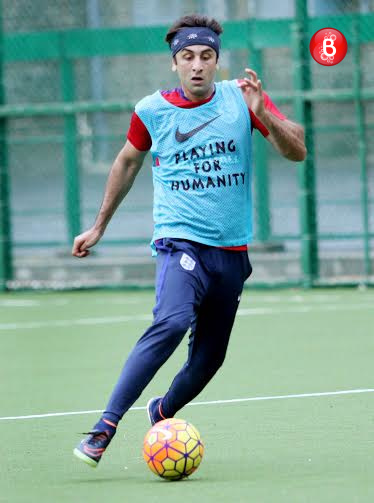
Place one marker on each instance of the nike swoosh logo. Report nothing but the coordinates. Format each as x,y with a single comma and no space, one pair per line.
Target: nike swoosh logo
181,137
167,434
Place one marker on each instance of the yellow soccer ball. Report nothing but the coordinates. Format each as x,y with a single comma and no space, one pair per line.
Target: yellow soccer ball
173,449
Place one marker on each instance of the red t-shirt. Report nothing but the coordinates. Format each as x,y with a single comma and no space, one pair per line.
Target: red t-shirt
140,138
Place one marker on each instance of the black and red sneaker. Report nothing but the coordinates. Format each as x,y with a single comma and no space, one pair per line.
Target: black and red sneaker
91,449
154,410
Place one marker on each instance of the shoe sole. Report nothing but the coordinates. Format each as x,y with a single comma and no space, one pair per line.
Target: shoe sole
79,454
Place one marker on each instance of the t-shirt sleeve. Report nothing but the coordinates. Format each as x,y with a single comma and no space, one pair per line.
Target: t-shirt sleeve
270,106
138,134
257,124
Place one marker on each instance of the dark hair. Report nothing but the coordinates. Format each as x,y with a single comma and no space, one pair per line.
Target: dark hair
192,21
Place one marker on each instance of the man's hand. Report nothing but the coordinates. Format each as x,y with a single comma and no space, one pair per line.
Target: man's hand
84,241
287,137
121,177
252,92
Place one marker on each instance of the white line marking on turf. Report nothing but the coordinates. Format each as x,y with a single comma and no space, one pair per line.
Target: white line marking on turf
301,309
80,321
282,397
278,299
64,302
253,311
211,402
19,303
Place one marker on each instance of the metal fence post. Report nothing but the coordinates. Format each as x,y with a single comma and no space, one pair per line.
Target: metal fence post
6,269
362,146
261,178
72,178
303,113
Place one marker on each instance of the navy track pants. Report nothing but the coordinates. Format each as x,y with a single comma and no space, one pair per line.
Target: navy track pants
198,287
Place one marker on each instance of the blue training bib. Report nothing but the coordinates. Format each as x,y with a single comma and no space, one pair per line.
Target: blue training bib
201,167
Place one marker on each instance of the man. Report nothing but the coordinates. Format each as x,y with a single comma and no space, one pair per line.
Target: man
200,139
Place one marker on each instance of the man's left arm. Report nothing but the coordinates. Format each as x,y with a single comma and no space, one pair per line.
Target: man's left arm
286,136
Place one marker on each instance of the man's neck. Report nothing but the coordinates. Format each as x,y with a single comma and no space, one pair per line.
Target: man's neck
195,99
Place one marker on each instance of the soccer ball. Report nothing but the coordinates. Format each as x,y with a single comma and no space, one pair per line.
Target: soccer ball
173,449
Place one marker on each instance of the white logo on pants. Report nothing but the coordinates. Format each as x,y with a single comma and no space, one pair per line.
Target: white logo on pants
187,262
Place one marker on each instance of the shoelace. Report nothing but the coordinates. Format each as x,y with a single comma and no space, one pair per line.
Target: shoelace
97,436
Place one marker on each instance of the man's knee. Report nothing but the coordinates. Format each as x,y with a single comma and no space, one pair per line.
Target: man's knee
162,338
204,366
176,325
166,332
212,362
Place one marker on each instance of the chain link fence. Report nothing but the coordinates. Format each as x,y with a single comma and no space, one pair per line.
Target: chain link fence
71,78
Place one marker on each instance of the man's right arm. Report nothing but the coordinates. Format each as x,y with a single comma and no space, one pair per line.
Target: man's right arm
120,179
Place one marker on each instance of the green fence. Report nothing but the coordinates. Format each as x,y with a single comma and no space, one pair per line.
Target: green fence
66,97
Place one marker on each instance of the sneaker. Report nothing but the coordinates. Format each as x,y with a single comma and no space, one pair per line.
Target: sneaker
91,449
153,410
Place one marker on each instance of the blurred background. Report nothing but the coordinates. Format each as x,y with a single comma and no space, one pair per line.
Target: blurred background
70,75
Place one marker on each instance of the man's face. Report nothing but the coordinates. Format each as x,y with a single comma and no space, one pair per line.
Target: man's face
196,67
